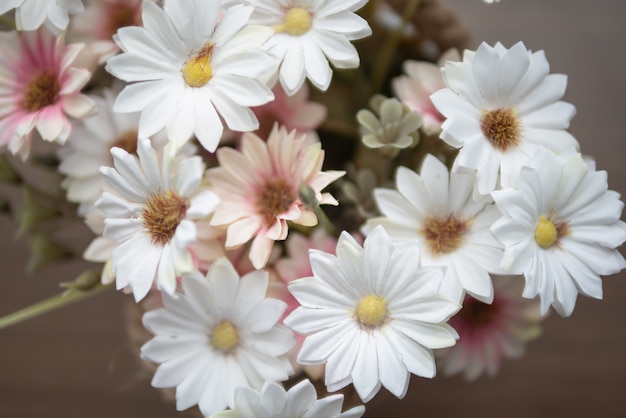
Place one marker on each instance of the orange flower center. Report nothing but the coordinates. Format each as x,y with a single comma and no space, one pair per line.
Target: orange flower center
41,91
502,128
276,197
444,235
162,214
127,141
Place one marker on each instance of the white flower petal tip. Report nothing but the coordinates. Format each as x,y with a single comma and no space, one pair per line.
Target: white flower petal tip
560,228
219,336
371,314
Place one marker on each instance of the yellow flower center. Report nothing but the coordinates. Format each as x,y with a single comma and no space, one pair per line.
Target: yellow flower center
41,91
444,235
502,128
546,233
372,311
162,214
297,22
197,70
225,336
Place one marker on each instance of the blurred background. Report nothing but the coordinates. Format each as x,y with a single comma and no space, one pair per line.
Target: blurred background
78,362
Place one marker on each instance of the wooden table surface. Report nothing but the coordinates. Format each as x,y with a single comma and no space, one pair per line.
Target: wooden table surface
76,362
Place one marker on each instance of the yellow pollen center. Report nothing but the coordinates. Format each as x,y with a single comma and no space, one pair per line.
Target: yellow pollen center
444,235
197,70
128,142
546,233
372,311
502,128
275,198
225,336
297,22
41,91
162,214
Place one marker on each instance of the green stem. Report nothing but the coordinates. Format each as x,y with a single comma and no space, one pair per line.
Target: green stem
325,222
380,71
8,22
50,304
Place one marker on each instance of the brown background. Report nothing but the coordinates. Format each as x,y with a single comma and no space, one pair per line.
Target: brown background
76,362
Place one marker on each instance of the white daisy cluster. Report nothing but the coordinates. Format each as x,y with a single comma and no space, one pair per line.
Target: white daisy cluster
253,283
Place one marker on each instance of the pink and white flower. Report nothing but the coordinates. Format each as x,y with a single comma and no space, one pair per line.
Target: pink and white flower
259,188
489,333
39,88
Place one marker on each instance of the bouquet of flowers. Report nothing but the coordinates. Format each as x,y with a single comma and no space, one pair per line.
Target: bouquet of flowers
306,201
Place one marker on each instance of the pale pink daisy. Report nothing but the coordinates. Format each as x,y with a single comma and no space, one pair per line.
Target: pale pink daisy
96,27
31,14
39,87
259,189
490,333
414,89
293,112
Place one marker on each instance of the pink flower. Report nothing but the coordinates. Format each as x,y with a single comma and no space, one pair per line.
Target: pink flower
259,188
292,112
491,333
38,88
414,89
97,26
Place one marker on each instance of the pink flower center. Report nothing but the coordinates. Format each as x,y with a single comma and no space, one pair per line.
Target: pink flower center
162,214
444,235
476,314
276,197
41,91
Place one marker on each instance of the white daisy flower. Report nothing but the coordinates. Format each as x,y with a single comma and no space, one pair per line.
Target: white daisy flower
300,401
372,315
436,212
31,14
219,335
187,71
88,148
308,34
502,106
560,228
151,217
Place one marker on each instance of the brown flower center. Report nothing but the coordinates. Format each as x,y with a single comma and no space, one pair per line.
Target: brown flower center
502,128
41,91
120,15
444,235
162,214
276,197
127,141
